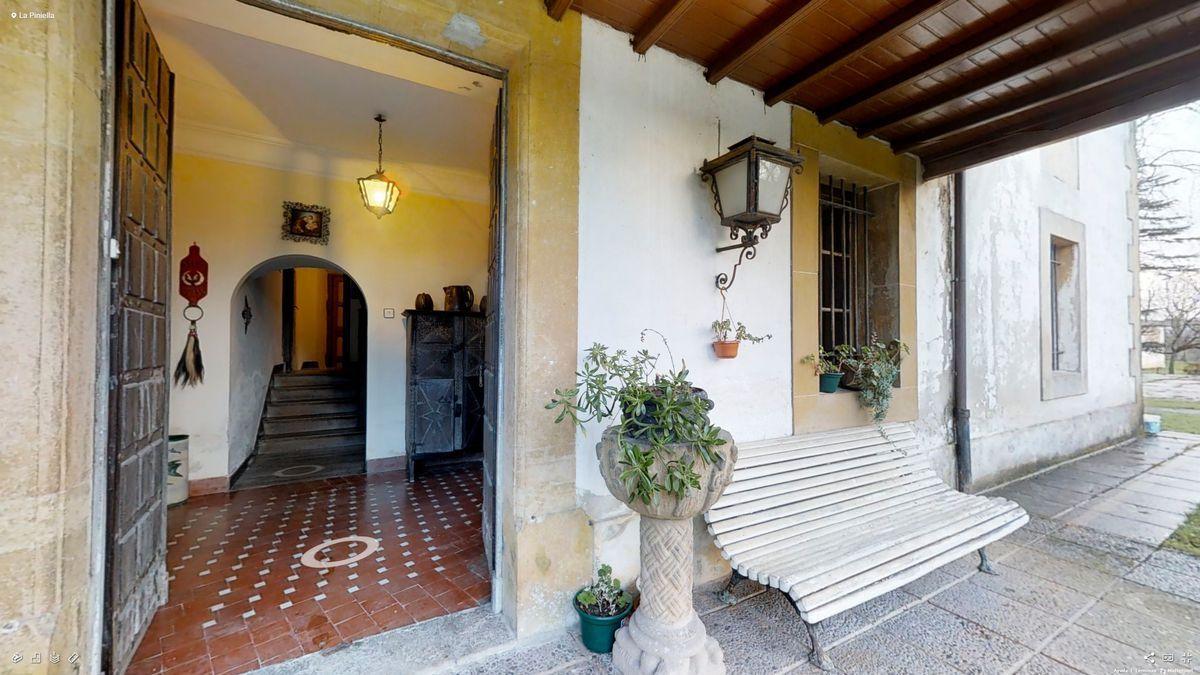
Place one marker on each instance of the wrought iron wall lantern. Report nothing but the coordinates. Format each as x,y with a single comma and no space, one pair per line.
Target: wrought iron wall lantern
750,184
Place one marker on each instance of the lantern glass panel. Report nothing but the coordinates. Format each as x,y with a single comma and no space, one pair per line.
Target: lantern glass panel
731,188
772,185
379,194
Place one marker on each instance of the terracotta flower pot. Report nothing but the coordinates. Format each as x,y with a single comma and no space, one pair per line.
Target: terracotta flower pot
726,349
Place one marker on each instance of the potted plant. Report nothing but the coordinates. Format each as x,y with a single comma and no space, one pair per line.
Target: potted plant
667,461
601,605
727,335
873,369
828,366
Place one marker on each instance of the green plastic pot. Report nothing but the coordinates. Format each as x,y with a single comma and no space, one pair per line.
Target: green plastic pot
829,382
598,632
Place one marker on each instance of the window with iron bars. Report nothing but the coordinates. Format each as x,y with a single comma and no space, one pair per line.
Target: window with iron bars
843,273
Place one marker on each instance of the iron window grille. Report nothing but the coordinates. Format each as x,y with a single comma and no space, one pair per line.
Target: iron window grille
843,273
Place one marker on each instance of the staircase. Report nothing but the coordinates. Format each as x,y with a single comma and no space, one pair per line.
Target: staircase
311,428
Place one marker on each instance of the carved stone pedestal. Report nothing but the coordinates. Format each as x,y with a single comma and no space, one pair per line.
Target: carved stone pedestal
665,635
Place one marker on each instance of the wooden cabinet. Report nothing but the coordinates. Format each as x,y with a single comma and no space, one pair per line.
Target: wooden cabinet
444,417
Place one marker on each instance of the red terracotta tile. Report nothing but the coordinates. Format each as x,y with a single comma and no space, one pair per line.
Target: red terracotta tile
198,666
232,658
237,552
149,666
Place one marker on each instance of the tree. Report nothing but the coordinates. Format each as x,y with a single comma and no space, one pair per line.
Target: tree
1164,224
1174,305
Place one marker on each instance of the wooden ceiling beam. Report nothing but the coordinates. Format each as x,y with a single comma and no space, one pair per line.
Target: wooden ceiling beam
1091,76
758,35
1115,28
557,8
948,56
664,16
1121,102
894,24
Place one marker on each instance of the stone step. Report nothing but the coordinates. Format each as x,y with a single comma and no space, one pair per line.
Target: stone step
309,423
302,379
326,440
313,393
313,407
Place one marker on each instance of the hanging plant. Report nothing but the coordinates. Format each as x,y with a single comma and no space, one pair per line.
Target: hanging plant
728,336
662,416
873,369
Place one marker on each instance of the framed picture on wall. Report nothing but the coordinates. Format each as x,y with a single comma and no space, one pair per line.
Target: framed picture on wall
306,222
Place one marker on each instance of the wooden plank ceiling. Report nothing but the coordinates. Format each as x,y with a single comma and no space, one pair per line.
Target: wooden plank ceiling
955,82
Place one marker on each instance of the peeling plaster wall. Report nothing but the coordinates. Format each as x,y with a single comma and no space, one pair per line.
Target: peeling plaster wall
1013,430
647,231
935,327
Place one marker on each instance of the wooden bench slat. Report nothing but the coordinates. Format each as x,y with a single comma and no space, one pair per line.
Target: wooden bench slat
791,503
813,449
755,448
814,613
784,461
778,494
810,575
835,542
837,518
744,539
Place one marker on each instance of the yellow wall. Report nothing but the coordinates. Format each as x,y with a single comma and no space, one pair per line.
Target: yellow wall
312,291
811,410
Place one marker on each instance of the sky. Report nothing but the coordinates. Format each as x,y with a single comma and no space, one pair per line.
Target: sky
1179,129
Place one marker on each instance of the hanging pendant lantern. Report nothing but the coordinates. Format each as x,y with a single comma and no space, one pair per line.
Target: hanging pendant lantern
379,192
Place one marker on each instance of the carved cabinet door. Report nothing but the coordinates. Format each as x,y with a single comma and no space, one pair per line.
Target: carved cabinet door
136,571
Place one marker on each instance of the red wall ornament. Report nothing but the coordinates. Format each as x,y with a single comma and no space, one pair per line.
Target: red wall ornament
193,276
193,286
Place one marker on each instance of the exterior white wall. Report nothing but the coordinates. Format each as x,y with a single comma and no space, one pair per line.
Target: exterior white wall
233,211
254,350
1013,429
647,231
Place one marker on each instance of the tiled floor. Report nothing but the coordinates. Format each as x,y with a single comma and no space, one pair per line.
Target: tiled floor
240,597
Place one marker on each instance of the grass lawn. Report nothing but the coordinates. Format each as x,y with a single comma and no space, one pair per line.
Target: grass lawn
1177,404
1187,537
1188,423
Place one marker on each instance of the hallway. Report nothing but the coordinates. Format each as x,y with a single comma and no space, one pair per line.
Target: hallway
243,594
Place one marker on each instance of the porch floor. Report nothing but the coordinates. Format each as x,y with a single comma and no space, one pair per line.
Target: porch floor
1077,591
240,596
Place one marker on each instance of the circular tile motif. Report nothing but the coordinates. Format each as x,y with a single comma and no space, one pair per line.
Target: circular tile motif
298,471
309,559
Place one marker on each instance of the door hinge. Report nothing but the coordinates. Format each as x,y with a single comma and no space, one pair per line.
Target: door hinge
114,248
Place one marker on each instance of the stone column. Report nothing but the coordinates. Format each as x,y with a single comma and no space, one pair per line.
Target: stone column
665,635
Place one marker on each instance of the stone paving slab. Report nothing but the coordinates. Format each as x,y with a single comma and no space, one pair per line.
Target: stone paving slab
1074,594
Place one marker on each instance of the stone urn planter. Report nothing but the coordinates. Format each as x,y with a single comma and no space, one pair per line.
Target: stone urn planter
665,635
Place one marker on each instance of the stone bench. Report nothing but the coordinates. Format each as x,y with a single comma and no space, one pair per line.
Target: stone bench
834,519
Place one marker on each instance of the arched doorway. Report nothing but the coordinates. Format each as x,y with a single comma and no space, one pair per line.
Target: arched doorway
298,356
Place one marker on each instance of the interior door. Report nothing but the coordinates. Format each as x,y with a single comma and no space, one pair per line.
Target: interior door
492,336
136,571
335,321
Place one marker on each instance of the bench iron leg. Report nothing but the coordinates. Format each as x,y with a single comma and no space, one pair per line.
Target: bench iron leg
726,594
985,565
816,654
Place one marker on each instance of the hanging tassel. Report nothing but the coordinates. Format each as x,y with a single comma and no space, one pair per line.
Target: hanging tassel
190,370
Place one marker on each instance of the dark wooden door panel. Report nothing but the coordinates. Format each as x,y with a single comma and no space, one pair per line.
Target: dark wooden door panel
488,429
136,574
